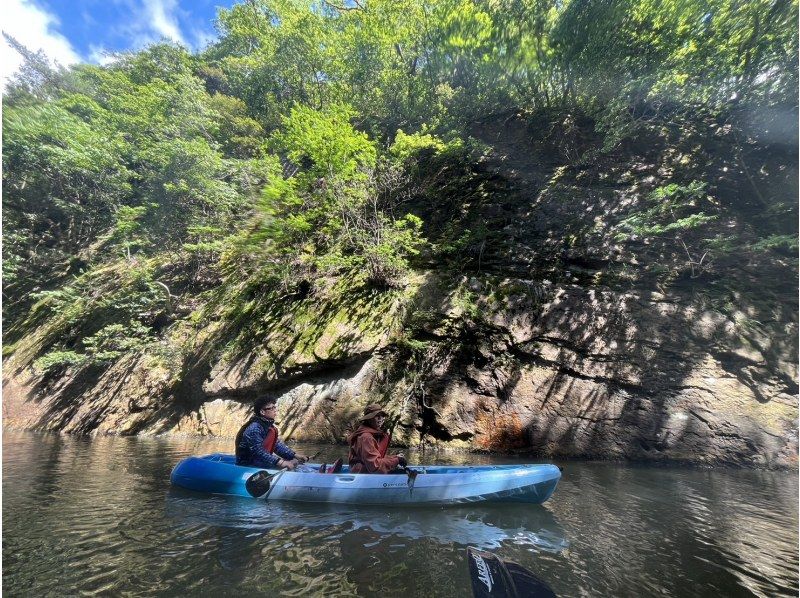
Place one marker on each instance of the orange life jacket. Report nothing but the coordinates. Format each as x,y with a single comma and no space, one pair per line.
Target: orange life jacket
383,444
271,440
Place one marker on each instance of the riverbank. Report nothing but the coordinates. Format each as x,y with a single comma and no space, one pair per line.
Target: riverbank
221,419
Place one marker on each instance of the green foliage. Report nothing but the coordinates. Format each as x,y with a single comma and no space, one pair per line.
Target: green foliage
13,244
55,360
127,225
786,242
137,154
103,347
325,144
65,303
386,249
59,169
331,209
279,154
239,135
412,344
406,146
466,302
111,341
275,53
673,210
123,294
463,245
207,241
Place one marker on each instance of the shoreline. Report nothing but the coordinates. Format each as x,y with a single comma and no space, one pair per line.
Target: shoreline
564,459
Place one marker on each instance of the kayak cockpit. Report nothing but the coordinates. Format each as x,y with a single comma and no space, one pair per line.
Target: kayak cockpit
419,469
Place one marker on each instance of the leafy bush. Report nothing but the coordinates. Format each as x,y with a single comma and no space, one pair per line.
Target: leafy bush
673,209
332,208
55,360
114,340
786,242
106,345
406,146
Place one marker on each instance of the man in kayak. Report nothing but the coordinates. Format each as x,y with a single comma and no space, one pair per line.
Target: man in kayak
369,443
257,443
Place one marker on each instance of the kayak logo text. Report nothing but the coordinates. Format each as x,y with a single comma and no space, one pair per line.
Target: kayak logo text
483,572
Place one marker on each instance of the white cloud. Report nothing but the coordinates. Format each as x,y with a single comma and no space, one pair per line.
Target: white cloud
203,38
36,29
148,22
160,15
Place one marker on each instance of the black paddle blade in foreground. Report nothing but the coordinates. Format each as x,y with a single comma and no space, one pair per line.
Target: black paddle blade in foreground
257,485
492,577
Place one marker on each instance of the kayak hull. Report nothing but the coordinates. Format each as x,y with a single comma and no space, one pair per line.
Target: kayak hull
435,484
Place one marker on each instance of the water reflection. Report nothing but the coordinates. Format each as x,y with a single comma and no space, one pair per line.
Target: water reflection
407,552
94,516
486,527
681,531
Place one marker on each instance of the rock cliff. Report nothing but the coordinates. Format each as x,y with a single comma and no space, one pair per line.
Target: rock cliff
558,339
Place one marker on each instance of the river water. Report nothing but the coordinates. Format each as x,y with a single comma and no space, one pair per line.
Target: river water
98,516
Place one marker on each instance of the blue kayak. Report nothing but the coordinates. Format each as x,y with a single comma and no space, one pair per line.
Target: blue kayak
424,484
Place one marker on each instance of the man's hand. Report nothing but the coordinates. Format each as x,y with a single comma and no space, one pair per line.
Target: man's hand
301,458
401,460
290,465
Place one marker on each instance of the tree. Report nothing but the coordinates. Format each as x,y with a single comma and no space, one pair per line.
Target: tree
329,206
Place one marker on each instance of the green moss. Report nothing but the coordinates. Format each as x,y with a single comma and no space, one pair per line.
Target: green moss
339,316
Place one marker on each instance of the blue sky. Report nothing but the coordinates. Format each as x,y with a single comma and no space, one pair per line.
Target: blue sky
71,31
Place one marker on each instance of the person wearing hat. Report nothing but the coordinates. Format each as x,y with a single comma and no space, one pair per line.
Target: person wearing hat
257,443
369,443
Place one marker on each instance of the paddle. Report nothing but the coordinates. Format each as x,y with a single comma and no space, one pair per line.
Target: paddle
411,473
258,484
492,577
412,477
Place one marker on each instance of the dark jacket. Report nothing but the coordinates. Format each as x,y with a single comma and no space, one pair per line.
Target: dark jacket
250,449
366,453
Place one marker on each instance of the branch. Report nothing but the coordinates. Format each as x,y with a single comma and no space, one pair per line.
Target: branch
358,6
169,296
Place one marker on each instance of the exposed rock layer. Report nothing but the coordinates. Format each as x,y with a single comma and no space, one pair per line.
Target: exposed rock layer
584,373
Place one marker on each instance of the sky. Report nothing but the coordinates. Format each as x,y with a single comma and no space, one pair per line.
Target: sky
72,31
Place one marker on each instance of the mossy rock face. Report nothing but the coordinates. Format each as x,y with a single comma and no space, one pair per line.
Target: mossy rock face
335,325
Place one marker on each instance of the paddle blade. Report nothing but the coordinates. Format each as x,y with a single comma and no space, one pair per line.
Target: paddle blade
257,485
492,577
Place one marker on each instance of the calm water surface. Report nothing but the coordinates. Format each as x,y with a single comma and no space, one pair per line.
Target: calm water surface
84,517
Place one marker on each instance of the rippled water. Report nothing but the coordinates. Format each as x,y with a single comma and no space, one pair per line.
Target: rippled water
83,517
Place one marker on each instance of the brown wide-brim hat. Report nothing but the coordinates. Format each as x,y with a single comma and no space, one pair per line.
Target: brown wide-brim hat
372,410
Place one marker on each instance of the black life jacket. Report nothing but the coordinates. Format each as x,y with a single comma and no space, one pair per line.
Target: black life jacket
242,452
